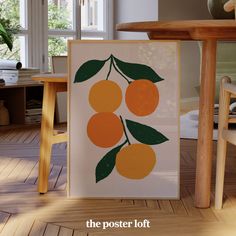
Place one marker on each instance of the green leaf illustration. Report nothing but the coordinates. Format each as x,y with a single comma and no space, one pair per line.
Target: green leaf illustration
88,70
138,71
145,134
107,164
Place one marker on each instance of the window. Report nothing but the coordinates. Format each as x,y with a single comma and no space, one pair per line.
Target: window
46,25
16,11
62,22
96,19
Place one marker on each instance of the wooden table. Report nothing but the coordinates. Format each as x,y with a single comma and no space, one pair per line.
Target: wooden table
208,31
53,83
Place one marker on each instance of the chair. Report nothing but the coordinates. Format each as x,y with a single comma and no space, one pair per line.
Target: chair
59,65
227,91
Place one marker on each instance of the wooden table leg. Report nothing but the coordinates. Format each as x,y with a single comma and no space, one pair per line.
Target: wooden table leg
205,131
49,97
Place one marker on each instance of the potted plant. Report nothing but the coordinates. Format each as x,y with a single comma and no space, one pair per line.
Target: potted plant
216,9
5,37
7,31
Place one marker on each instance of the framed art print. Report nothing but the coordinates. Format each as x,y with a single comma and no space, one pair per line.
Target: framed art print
123,119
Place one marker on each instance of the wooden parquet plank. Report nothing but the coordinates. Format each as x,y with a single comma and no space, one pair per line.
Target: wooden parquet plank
10,135
61,181
38,228
128,201
78,233
24,227
10,188
36,139
4,162
153,204
26,170
178,207
74,225
53,177
191,156
51,230
165,206
63,146
189,204
188,161
31,137
10,227
22,137
3,135
18,170
19,136
33,176
65,232
9,168
4,216
141,203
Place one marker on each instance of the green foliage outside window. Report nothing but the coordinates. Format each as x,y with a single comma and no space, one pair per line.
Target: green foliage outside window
58,18
9,18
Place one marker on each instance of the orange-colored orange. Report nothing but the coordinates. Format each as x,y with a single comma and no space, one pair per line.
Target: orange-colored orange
105,129
105,96
135,161
142,97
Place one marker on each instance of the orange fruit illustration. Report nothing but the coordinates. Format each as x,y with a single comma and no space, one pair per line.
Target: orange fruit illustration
105,96
135,161
105,129
142,97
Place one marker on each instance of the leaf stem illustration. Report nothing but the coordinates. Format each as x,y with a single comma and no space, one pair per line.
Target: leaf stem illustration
111,63
120,72
127,138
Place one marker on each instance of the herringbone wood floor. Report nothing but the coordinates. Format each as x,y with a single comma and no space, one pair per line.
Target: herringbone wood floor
24,212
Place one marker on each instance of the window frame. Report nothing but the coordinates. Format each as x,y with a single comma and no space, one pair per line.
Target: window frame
24,12
75,32
107,33
36,32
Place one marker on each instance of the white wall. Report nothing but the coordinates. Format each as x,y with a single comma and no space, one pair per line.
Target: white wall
134,10
183,10
147,10
190,52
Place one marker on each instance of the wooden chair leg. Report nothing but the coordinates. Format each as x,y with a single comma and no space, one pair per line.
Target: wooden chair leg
46,135
222,144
